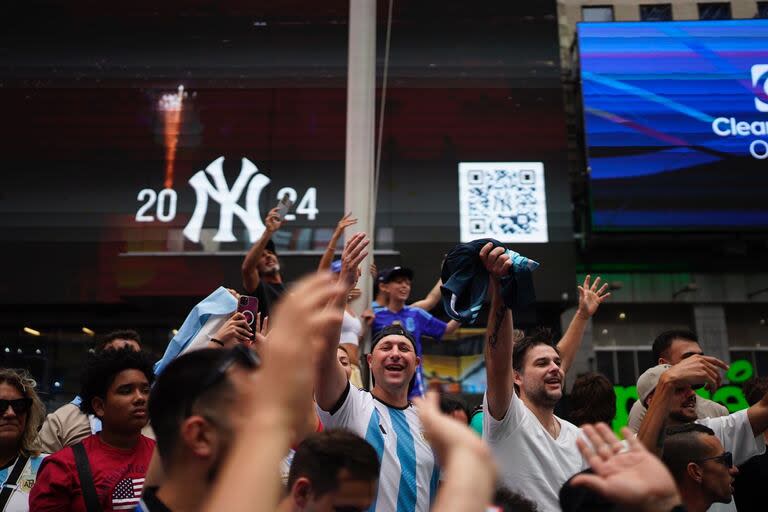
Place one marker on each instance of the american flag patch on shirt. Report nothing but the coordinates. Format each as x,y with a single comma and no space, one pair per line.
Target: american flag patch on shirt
127,493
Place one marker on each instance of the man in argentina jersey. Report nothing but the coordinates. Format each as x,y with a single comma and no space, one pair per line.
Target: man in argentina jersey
385,418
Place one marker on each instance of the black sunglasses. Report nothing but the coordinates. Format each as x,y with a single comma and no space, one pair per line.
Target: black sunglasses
725,459
19,405
240,353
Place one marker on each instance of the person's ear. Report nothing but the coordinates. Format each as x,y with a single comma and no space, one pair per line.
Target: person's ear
97,403
694,472
663,361
199,436
301,491
369,358
517,377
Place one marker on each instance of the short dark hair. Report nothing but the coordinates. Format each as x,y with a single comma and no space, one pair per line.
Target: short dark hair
755,389
321,456
449,404
123,334
101,369
509,501
521,348
592,399
174,393
683,445
664,340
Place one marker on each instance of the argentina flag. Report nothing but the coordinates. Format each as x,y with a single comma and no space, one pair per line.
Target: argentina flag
201,323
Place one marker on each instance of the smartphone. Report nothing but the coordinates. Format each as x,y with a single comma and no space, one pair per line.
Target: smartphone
283,206
249,307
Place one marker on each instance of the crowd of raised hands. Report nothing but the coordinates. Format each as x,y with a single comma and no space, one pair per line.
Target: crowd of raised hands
305,323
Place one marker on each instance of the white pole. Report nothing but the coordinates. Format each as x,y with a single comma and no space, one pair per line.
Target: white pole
361,114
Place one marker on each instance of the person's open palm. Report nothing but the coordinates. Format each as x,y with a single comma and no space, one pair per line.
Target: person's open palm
634,478
590,296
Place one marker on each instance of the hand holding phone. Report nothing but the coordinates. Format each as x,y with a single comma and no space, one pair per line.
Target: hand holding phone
283,206
249,307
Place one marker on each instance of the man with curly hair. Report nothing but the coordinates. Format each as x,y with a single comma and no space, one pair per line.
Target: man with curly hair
115,388
21,413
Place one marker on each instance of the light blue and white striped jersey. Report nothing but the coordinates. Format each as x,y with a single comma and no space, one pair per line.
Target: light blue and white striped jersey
409,473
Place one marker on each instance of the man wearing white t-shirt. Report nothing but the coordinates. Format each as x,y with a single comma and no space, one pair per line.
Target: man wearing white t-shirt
668,392
384,417
535,449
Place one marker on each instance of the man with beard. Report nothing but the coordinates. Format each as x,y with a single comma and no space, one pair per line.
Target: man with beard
261,267
535,449
668,392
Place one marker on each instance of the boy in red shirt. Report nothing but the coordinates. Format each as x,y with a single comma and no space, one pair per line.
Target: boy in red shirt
115,389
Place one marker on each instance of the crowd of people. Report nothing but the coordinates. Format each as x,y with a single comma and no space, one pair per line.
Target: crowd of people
271,412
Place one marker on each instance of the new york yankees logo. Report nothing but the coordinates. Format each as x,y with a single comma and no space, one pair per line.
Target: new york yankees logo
228,199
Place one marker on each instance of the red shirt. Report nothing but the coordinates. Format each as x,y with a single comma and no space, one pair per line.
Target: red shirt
118,476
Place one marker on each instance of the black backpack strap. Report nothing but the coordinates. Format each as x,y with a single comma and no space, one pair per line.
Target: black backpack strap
10,484
86,478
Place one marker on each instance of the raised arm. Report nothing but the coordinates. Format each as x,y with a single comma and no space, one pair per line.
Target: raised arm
590,298
465,460
431,300
498,335
249,269
330,378
277,400
758,416
693,371
327,259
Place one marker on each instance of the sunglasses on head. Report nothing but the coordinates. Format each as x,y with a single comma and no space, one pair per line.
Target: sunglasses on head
726,459
19,405
239,354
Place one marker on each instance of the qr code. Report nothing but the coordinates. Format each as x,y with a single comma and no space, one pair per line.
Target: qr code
505,201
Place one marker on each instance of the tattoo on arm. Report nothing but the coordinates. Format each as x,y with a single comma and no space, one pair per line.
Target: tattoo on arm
497,321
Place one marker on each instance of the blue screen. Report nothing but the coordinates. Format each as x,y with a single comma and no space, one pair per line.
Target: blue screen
676,124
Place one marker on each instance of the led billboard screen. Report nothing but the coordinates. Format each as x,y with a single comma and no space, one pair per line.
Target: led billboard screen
676,124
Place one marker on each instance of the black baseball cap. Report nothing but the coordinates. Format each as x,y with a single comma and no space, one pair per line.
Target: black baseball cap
389,274
391,330
271,247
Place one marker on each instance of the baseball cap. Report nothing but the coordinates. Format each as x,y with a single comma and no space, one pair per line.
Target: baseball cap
271,247
647,382
391,330
389,274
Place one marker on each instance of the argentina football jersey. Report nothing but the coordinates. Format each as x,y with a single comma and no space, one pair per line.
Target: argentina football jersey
409,472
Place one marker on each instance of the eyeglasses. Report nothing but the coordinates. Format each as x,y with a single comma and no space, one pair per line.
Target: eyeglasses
725,459
19,405
240,353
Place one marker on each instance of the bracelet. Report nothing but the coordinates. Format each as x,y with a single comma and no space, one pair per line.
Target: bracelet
218,342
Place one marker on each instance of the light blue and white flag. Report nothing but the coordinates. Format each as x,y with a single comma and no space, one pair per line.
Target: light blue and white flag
201,323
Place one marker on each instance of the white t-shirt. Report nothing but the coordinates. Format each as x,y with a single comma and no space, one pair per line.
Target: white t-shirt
735,433
409,473
351,327
19,500
531,462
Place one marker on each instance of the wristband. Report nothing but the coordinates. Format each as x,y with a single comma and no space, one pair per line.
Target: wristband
218,342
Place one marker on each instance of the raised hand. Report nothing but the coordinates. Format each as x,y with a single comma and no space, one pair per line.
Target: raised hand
344,223
469,468
235,330
273,222
297,321
354,253
590,297
496,260
262,328
697,370
635,479
374,272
